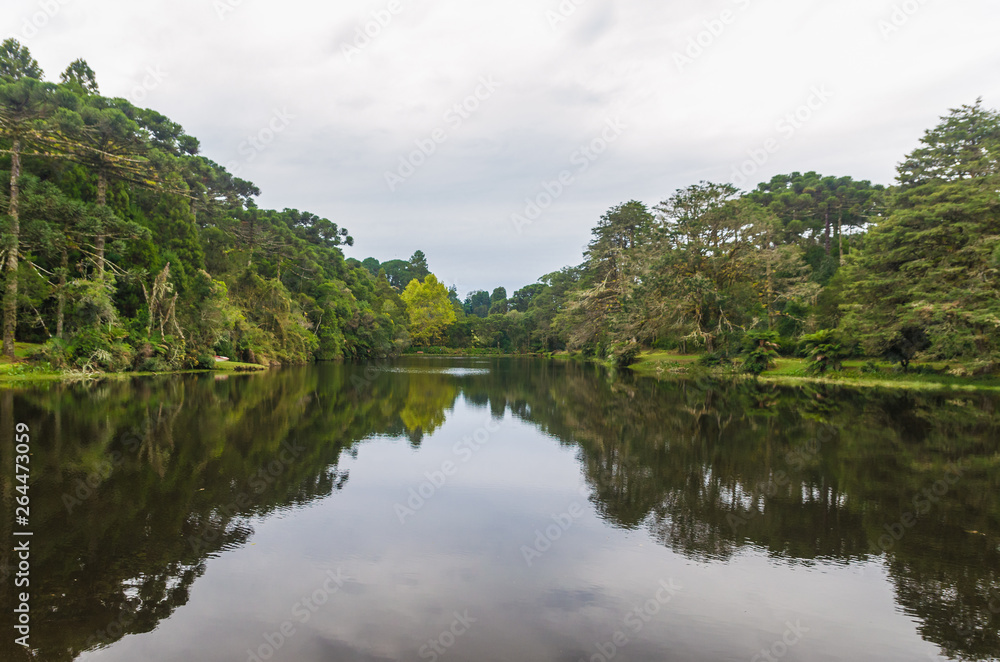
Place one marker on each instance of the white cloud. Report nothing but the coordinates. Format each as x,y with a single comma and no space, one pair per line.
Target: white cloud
225,79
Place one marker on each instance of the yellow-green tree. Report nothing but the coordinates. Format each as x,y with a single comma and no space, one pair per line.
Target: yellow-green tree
430,309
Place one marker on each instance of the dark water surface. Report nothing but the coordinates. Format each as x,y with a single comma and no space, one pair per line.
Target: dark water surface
502,509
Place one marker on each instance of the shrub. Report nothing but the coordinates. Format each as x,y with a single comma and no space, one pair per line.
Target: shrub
871,368
825,351
760,349
715,359
623,354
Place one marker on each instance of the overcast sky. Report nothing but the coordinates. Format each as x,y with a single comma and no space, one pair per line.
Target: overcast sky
622,100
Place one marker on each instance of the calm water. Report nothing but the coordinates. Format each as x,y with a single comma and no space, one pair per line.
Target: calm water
499,509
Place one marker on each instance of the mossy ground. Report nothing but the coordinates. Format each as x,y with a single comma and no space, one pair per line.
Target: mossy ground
791,370
23,370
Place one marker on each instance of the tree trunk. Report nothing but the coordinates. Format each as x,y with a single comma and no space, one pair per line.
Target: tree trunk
770,294
102,200
10,295
840,235
828,231
61,299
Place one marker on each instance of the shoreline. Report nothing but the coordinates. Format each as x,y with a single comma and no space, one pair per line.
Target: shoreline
651,363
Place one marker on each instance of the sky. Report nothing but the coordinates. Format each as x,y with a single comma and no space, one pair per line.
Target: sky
494,135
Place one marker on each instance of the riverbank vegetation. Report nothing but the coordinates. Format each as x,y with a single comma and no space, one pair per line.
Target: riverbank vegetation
822,268
125,249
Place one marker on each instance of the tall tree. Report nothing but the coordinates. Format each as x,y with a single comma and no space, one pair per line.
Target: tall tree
16,62
81,77
23,104
930,269
430,310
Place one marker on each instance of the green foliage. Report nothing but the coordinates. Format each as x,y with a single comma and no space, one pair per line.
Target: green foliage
430,310
929,265
114,197
825,351
16,62
760,349
623,354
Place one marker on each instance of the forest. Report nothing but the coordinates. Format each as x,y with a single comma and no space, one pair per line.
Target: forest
125,249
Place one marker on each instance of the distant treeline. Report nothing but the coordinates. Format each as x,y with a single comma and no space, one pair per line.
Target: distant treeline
124,249
827,266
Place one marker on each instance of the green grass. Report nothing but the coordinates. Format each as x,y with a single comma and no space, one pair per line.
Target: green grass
235,366
22,350
21,370
656,362
792,370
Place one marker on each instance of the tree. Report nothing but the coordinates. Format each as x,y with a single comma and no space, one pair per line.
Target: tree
79,75
111,145
477,303
372,265
498,302
704,273
813,209
760,349
964,145
904,347
612,270
523,298
23,105
418,265
16,62
825,351
932,263
429,308
399,273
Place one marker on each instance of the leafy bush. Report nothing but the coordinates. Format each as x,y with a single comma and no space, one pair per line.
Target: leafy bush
760,349
825,352
871,368
154,364
623,354
715,359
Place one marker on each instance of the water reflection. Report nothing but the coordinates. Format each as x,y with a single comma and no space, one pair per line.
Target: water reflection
139,483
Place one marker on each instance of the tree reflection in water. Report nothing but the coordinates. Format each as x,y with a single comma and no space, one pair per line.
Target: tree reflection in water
178,468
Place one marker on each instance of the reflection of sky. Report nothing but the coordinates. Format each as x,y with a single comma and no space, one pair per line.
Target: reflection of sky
462,551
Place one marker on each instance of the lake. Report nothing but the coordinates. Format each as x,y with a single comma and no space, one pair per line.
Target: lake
480,509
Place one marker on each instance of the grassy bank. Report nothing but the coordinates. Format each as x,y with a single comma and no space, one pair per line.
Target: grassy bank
855,373
23,369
